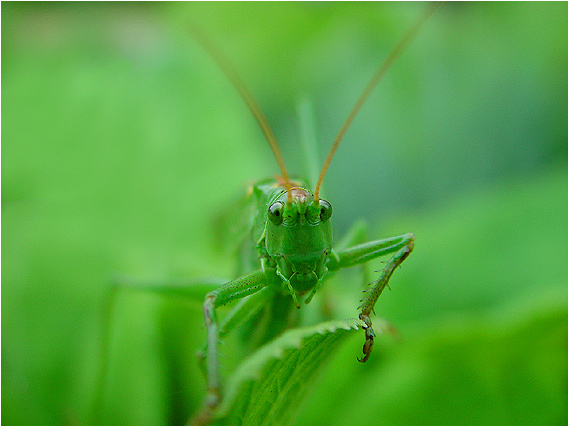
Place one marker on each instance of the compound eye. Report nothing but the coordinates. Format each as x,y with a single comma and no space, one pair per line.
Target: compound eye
325,210
276,213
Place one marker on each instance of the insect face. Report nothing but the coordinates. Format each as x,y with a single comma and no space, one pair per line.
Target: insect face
298,237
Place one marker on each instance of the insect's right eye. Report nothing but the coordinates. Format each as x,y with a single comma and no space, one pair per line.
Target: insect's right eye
276,213
325,210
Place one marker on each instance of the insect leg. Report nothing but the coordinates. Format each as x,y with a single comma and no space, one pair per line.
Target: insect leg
231,291
401,245
243,310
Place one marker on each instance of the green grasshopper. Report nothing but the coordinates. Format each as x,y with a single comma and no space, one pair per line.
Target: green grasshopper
290,240
288,247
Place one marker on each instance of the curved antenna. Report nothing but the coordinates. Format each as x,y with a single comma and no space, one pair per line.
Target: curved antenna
232,75
387,63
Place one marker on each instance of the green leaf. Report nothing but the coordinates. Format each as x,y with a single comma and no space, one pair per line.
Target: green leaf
266,387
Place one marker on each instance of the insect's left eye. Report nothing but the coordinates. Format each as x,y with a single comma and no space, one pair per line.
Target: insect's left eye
276,213
325,210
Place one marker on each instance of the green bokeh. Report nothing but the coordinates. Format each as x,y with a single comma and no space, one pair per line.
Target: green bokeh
123,143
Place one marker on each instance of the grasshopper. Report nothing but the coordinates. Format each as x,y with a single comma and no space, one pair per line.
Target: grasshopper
291,238
288,250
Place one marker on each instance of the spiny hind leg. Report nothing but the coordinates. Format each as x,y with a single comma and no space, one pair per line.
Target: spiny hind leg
401,247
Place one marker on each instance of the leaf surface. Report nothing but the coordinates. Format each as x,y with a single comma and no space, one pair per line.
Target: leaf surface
265,387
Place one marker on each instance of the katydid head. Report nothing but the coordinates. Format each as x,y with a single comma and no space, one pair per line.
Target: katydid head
298,237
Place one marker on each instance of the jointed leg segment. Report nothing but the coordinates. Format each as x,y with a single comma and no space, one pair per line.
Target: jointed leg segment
402,246
236,289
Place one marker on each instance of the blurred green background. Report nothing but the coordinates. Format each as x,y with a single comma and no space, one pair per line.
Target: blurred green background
122,142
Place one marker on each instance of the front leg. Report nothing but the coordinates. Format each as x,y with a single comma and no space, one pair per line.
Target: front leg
231,291
401,245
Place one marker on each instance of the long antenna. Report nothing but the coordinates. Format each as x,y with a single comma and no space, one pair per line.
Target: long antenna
387,63
232,75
